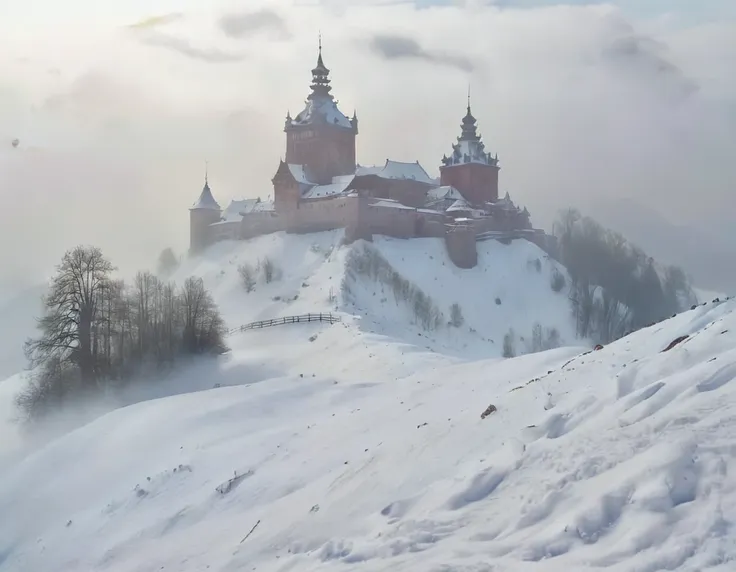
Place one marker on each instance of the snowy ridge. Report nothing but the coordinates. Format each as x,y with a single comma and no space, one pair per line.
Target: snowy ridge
363,449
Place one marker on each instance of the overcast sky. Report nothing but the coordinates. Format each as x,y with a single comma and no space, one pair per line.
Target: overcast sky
117,105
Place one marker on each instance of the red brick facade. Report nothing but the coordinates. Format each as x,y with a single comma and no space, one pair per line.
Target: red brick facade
478,183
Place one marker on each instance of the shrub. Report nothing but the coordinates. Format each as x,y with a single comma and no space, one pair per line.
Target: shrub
557,282
509,344
368,262
456,316
247,277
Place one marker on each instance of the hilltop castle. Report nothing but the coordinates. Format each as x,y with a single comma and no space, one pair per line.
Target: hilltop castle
319,186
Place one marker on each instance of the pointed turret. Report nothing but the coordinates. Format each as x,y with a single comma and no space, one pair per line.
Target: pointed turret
469,128
206,200
320,77
202,214
321,138
471,168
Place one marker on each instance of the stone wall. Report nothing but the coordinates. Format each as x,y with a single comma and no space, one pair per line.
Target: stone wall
319,215
258,223
396,221
461,246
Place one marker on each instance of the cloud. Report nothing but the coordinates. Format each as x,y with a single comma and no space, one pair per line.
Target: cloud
635,53
579,103
185,48
247,24
398,47
156,21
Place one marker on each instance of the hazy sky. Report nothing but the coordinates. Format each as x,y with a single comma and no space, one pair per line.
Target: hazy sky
117,106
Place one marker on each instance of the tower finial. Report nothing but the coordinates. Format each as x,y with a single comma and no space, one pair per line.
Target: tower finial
320,42
468,97
206,172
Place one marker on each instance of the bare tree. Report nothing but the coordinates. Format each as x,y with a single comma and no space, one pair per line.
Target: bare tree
72,307
97,333
167,263
204,329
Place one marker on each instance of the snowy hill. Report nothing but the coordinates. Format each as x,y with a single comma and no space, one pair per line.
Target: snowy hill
353,446
509,289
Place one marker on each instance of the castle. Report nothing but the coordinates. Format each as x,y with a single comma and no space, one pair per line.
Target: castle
319,186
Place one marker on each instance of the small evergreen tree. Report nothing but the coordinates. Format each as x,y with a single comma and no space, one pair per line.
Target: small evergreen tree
509,344
456,316
167,263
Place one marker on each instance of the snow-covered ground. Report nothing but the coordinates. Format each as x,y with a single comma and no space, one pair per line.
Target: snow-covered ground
361,447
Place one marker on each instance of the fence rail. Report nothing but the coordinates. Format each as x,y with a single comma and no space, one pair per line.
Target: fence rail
329,318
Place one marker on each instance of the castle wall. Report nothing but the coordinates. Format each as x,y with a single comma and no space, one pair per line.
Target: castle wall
258,223
461,246
318,215
393,221
477,183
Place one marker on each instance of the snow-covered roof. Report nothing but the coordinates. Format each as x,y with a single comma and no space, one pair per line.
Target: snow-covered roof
469,147
299,173
464,152
239,207
330,190
391,204
343,178
459,205
445,192
364,170
206,201
236,208
321,110
397,170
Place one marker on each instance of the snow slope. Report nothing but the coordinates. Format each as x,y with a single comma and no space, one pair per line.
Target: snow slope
364,450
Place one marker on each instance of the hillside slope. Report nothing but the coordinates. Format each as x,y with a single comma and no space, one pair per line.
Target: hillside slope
619,458
509,289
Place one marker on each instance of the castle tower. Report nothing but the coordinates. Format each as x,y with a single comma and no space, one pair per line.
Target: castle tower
470,168
202,214
321,137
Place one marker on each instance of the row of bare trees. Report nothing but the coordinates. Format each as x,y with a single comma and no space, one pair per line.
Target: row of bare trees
615,286
98,332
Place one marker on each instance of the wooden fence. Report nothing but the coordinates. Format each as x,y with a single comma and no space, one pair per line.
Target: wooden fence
329,318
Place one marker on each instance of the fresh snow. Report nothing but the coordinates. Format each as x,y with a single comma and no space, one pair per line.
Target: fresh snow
359,446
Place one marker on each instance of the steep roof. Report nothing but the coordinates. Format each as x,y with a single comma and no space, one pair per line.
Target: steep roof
469,147
460,205
397,170
330,190
321,107
206,201
445,192
321,110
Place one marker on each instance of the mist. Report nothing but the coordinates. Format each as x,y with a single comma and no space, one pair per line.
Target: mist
117,111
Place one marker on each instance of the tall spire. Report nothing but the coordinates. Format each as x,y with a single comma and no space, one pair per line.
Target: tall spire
320,77
469,129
